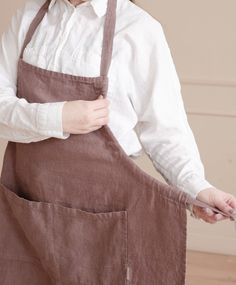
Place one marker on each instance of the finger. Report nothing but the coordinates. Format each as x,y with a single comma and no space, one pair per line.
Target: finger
101,113
99,103
215,216
208,215
201,213
232,204
102,121
208,211
224,207
219,217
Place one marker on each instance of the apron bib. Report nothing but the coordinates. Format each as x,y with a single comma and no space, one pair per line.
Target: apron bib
80,211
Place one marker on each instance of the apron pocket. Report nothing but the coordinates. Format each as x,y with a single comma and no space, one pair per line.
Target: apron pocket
90,248
73,245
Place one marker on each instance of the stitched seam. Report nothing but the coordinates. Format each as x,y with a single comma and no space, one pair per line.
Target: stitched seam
55,74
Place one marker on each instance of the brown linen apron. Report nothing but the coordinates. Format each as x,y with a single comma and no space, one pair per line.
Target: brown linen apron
80,211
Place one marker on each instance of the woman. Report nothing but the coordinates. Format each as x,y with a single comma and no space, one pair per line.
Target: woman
58,46
64,43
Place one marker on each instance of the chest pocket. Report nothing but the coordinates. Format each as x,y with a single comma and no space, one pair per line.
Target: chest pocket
38,53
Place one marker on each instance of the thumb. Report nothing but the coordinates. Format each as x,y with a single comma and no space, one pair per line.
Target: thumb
100,97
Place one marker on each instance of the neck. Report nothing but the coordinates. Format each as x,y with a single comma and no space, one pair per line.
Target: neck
76,2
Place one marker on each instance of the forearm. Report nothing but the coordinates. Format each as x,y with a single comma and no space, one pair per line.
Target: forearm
25,122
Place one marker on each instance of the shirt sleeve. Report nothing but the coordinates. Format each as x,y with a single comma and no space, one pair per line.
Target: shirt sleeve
162,127
21,121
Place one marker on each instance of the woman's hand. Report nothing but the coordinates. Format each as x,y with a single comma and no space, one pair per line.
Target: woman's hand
226,202
81,117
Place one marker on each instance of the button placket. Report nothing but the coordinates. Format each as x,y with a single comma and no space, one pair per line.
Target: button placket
64,34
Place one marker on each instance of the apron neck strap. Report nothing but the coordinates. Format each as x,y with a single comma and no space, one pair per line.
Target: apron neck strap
34,24
108,33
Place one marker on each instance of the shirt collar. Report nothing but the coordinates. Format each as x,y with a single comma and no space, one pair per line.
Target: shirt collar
99,6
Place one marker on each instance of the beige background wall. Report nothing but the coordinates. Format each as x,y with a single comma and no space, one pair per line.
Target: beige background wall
201,36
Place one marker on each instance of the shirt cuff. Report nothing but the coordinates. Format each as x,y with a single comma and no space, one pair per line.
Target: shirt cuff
194,185
49,120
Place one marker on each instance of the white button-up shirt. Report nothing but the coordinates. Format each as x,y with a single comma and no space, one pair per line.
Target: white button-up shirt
144,88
